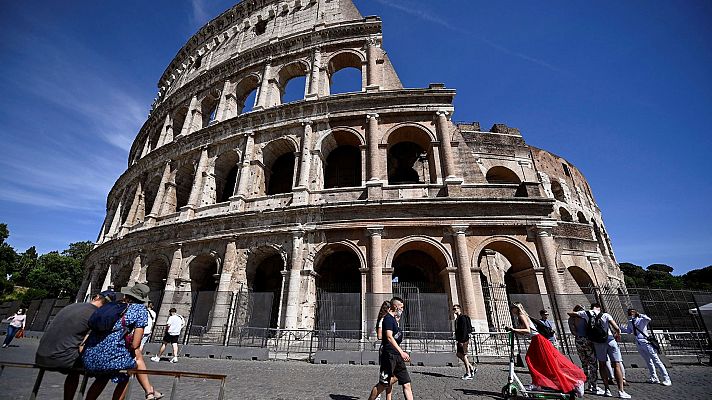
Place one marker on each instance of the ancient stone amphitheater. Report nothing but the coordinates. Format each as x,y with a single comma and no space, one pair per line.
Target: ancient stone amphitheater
233,187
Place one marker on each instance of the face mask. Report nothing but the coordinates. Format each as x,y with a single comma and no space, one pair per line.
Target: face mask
399,313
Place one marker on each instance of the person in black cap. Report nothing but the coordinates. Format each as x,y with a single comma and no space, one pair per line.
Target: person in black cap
59,346
106,353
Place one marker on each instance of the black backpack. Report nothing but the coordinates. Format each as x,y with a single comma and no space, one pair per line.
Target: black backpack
104,318
543,329
595,331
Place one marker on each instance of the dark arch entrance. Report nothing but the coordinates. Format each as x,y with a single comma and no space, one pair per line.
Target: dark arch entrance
203,284
281,175
339,293
267,278
343,167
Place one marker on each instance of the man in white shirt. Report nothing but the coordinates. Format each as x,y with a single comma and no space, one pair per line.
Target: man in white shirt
173,327
638,325
149,328
599,328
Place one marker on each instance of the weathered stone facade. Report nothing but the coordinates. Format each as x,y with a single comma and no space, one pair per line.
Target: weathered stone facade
335,190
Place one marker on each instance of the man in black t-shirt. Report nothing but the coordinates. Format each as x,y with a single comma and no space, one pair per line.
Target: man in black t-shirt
463,328
393,358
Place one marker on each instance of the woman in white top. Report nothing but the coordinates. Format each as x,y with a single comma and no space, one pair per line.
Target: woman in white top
548,368
17,322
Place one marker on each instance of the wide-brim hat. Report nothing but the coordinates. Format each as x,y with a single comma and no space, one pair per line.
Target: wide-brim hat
138,291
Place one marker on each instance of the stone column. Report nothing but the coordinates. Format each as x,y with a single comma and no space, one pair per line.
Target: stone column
467,288
174,271
242,188
194,113
166,132
227,108
444,136
546,248
373,136
452,285
82,293
197,189
115,222
160,194
314,76
136,212
294,285
372,51
136,269
303,181
264,92
375,260
110,271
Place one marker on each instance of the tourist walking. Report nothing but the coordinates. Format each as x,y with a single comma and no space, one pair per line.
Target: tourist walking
463,328
379,334
148,330
392,359
106,353
173,327
548,368
604,332
17,323
586,353
638,325
59,347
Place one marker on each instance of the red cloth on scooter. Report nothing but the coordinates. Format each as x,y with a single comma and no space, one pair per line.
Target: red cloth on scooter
551,369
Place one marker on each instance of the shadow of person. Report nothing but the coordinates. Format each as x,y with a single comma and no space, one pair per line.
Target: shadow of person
342,397
472,392
435,374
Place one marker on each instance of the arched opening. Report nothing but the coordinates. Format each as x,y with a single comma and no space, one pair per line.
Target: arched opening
292,82
266,277
226,169
417,269
209,107
338,291
557,190
583,280
565,215
343,167
597,233
151,191
581,218
121,279
203,283
501,174
127,204
281,175
156,277
507,275
184,184
345,74
179,116
410,157
153,139
246,93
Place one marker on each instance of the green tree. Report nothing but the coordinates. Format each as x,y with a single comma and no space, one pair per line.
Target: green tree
660,268
699,278
59,275
8,260
26,262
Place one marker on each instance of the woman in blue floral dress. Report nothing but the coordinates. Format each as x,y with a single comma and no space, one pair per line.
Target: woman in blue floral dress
106,354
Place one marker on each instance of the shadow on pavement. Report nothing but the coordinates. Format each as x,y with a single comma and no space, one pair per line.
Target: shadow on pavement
342,397
472,392
435,374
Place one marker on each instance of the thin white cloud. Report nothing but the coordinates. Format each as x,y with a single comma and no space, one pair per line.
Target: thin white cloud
426,15
199,15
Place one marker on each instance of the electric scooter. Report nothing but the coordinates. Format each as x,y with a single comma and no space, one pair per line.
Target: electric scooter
515,389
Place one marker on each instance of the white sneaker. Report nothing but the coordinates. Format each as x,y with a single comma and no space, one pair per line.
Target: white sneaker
607,393
155,359
174,359
666,382
653,380
467,377
623,395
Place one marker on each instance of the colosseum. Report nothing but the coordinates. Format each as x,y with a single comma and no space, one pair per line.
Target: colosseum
305,213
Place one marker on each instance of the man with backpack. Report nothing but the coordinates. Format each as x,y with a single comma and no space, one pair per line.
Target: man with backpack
584,348
173,327
59,347
647,346
463,328
599,326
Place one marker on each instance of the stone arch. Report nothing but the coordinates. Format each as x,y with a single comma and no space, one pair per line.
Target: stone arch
409,257
342,161
581,217
279,164
203,272
157,273
209,107
151,186
519,257
264,275
582,278
127,204
599,238
557,190
338,267
121,276
410,155
185,175
245,89
289,71
346,59
500,174
565,215
226,170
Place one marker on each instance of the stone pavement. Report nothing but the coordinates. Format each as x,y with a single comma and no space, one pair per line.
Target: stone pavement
300,380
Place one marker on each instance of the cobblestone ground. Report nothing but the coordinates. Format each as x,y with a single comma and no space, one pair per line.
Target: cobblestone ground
300,380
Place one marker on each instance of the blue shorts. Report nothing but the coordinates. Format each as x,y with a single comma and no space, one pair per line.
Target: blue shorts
608,349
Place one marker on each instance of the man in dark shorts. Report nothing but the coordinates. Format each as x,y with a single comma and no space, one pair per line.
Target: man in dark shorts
173,327
463,328
393,358
59,347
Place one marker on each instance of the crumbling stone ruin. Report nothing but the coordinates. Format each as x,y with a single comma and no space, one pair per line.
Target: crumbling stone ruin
229,186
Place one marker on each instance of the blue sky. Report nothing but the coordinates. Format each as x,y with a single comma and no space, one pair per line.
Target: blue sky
623,90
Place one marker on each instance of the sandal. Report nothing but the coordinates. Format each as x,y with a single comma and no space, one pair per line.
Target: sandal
155,395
